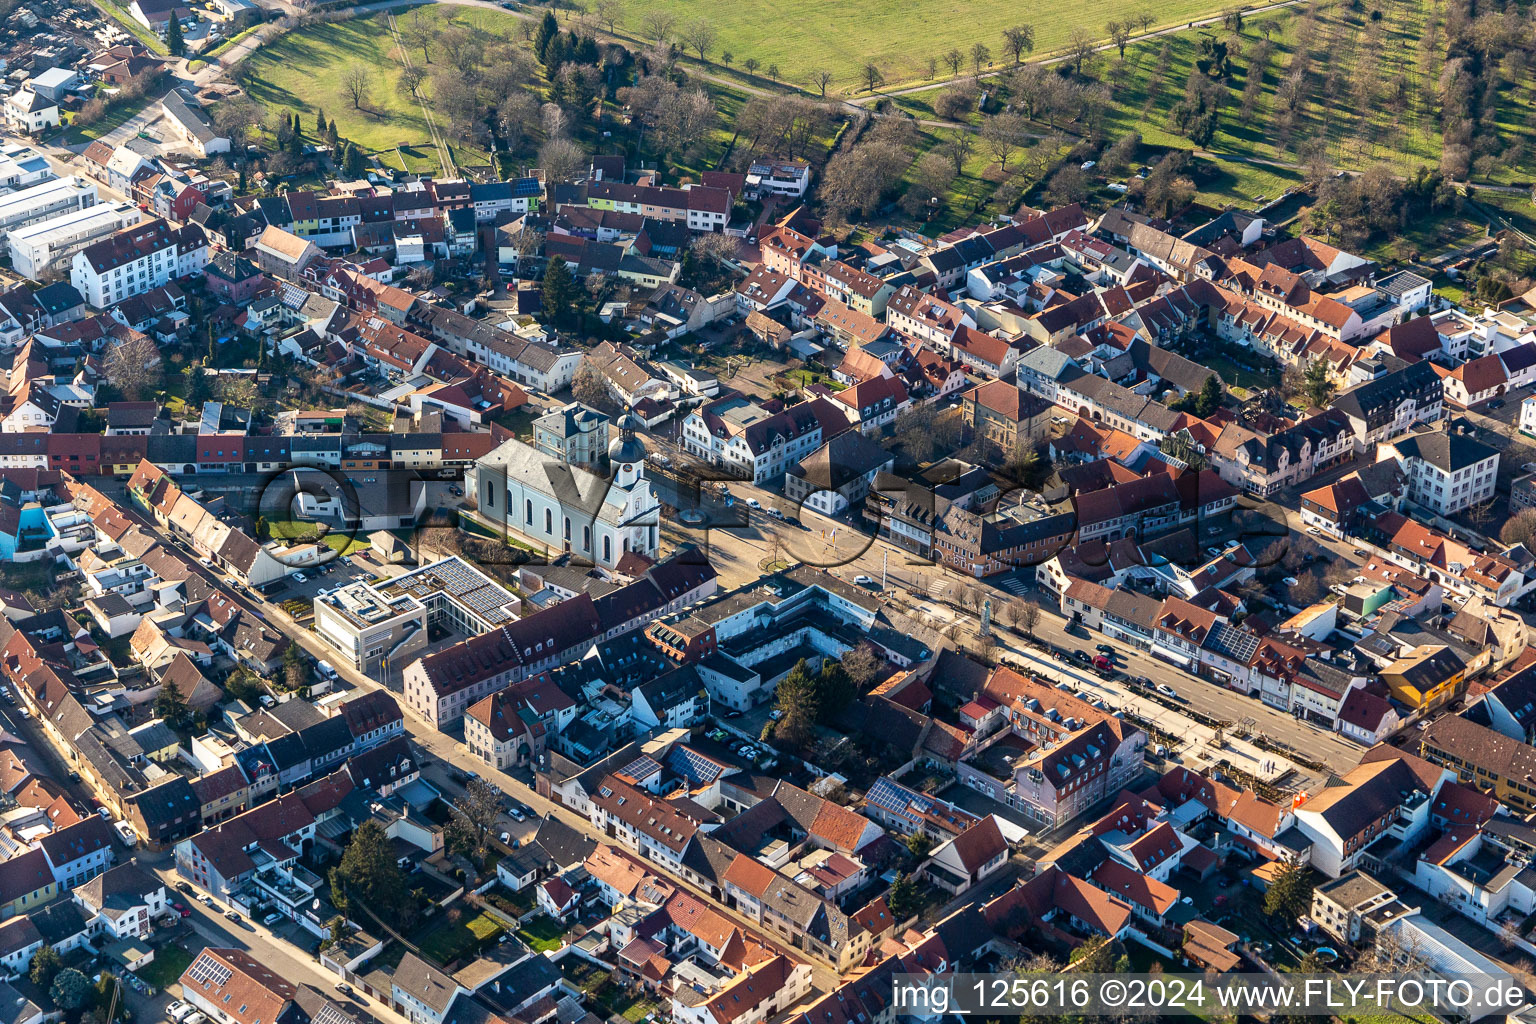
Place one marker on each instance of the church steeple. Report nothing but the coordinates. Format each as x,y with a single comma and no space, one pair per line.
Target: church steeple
627,454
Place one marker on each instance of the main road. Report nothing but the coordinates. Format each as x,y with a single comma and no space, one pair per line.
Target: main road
451,753
742,538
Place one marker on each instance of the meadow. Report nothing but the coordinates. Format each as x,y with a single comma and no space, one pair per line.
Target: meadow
800,36
392,126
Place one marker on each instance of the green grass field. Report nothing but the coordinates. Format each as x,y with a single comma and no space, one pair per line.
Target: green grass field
386,123
899,38
1338,49
450,940
542,934
392,126
169,963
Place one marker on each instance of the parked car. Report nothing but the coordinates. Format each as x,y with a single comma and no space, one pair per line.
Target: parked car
862,580
506,837
754,503
272,919
1083,657
775,714
342,986
106,815
231,915
1106,650
1362,552
1166,690
179,1009
1289,581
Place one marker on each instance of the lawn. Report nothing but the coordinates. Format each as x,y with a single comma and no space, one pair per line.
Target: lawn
455,936
391,126
113,118
632,1007
340,541
898,38
385,123
542,934
170,961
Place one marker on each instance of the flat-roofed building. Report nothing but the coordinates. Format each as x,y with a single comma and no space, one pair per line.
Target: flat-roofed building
45,200
369,628
39,247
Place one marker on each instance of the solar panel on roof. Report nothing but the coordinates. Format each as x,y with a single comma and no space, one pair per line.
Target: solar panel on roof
207,970
692,765
640,767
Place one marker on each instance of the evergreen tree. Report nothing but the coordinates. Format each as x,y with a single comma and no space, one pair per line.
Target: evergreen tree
369,874
1210,397
554,54
797,705
173,41
46,963
171,706
904,898
547,30
352,161
70,989
559,289
1316,385
1290,892
319,124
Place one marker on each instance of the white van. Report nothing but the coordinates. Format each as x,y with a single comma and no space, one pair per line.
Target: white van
325,669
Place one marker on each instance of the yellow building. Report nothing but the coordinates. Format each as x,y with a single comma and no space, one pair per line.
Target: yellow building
1428,677
26,883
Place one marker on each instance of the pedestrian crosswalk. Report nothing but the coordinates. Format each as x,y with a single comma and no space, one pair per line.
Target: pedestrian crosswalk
1014,585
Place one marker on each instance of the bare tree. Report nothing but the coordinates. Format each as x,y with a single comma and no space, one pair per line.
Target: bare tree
1002,134
873,77
235,117
134,367
607,12
821,78
1027,617
1080,46
658,25
1120,34
980,55
714,246
356,83
751,64
517,117
1146,19
958,148
700,35
561,158
954,58
1019,39
421,32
